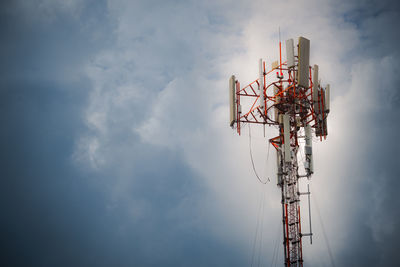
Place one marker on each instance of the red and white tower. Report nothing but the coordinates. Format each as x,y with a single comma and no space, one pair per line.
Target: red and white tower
288,96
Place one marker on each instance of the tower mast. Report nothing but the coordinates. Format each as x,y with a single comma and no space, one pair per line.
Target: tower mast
294,101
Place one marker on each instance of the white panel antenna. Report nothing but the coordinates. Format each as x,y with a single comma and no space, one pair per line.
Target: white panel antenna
315,89
308,149
286,132
290,53
304,62
232,100
261,86
327,98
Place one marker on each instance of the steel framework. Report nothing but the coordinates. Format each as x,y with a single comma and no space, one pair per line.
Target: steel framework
290,97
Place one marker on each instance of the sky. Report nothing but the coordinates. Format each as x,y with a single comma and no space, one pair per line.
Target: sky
116,150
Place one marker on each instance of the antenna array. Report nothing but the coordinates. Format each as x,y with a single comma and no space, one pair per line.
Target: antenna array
290,97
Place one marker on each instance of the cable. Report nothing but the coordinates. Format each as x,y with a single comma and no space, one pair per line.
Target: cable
324,232
252,161
259,208
262,228
275,252
255,236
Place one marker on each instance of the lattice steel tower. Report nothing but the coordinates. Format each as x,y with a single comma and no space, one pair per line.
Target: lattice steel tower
290,97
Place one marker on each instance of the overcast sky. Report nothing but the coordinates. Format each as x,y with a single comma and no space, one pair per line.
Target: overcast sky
116,150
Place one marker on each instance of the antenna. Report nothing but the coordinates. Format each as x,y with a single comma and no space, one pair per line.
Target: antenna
280,51
299,108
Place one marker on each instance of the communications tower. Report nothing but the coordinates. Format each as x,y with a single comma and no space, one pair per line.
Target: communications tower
290,97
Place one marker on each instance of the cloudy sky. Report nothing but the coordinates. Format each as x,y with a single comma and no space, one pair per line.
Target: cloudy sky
115,145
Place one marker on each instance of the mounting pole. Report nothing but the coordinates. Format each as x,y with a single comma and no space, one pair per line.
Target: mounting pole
309,212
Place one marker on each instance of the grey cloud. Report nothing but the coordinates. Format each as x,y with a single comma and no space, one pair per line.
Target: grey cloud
140,209
116,149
